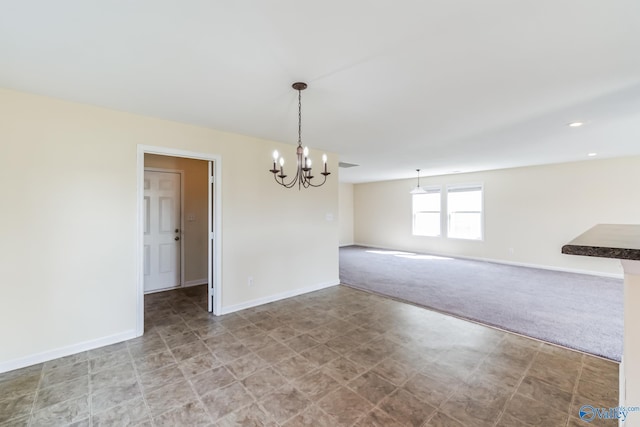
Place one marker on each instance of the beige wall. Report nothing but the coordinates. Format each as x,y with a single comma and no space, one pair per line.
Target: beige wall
534,210
68,251
346,214
196,198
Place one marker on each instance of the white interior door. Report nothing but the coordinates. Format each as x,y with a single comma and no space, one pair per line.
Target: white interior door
162,205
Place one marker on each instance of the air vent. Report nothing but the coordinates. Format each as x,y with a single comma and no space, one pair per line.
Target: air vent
347,165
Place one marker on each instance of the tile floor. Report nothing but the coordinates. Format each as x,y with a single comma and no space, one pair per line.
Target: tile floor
337,357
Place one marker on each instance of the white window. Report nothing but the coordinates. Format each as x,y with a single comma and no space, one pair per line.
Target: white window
464,212
426,212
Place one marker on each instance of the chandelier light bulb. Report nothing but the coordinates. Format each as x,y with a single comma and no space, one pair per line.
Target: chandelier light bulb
324,158
281,161
306,151
309,163
276,155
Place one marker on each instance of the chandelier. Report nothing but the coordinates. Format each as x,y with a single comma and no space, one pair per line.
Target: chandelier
418,189
303,175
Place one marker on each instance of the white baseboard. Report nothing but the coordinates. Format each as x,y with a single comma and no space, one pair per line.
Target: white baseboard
45,356
345,244
196,282
500,261
277,297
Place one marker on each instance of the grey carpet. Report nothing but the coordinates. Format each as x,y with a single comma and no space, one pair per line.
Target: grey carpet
578,311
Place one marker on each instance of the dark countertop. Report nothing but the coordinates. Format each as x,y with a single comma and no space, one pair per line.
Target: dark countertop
621,241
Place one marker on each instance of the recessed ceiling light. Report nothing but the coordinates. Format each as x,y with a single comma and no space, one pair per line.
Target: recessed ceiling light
575,124
592,154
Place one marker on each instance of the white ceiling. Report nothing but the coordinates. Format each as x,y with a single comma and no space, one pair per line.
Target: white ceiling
441,85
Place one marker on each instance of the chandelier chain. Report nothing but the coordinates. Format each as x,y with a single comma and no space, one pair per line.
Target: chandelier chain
299,117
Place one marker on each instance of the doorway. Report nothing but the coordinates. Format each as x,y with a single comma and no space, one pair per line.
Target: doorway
213,226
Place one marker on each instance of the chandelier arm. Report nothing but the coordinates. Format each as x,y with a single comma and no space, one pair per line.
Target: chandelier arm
293,181
288,184
320,184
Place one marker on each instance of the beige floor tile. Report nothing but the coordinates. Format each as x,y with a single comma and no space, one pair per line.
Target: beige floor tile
220,340
477,404
189,414
555,371
251,415
154,361
17,422
275,353
394,371
155,379
64,373
189,350
406,408
246,365
117,376
199,364
264,382
63,413
440,419
132,412
320,355
112,396
169,396
430,390
378,418
109,360
372,387
335,357
345,405
174,341
223,401
15,406
343,370
259,341
295,367
61,392
285,403
535,413
550,395
316,384
312,417
212,380
301,343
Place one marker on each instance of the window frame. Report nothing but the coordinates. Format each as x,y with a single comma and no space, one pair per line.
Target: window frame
428,189
469,186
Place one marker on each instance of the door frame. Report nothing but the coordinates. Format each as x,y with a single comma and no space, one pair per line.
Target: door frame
215,236
181,173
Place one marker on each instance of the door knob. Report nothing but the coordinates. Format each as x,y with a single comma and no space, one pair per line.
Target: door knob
177,230
177,238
